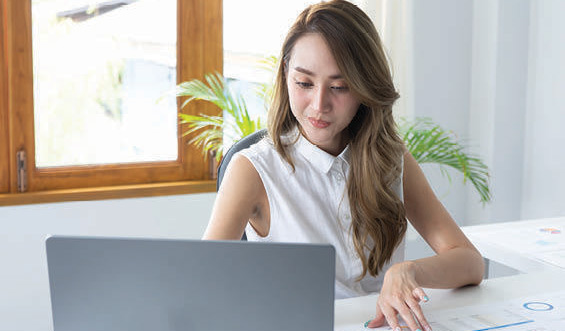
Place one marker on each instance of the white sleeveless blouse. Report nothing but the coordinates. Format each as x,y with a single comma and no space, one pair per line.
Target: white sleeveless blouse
310,205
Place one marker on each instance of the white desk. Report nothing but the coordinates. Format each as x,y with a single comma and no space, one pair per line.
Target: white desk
527,246
356,311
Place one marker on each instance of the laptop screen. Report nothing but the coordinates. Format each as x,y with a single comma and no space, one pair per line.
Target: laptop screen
158,284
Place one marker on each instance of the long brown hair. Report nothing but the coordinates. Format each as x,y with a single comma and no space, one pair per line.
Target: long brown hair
378,215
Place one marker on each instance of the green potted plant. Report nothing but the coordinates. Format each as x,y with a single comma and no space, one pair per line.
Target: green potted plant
427,141
209,129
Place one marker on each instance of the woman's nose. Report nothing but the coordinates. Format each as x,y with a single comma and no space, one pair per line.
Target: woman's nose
321,100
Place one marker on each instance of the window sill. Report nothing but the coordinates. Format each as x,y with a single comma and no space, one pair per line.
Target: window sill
108,192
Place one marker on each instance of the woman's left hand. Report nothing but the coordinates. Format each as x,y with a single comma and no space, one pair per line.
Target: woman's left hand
401,296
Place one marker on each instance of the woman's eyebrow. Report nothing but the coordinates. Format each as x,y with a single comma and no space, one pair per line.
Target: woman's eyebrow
310,73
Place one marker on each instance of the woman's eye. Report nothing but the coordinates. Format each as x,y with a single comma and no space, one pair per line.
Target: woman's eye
304,85
340,88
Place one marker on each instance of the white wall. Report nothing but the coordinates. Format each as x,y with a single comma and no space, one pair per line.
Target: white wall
441,62
24,287
543,193
493,71
522,130
498,109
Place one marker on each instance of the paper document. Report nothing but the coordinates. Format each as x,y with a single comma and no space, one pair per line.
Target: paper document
528,237
545,312
542,240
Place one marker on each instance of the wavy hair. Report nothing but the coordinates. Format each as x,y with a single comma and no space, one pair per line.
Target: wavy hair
378,215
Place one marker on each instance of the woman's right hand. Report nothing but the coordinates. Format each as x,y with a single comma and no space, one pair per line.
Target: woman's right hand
401,296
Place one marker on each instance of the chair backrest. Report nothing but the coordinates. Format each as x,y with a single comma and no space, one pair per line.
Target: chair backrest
244,143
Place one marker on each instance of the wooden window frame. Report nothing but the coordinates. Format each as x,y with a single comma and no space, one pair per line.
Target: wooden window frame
199,51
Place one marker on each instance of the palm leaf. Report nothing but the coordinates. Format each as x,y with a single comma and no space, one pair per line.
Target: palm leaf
429,143
209,130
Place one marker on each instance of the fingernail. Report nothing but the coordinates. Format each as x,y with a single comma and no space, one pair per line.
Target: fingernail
367,323
418,330
397,329
426,299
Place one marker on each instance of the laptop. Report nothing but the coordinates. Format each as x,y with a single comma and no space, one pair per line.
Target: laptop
113,284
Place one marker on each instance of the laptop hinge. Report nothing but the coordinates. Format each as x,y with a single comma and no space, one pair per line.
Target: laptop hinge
21,166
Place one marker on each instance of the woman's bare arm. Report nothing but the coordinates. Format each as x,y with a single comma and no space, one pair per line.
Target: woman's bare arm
241,198
457,262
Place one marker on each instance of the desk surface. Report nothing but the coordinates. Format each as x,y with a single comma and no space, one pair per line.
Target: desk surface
351,314
527,246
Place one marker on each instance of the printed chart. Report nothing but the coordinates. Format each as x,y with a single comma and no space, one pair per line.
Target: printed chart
542,240
540,313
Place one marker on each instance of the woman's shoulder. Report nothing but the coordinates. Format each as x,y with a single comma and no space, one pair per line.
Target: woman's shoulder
262,148
265,157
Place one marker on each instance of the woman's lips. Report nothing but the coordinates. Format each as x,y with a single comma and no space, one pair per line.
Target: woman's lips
318,123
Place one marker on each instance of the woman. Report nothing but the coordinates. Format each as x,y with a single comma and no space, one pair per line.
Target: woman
334,170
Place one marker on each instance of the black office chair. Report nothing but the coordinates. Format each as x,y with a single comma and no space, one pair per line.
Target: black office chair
241,144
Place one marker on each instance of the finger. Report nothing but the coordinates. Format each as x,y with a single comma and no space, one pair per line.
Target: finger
375,323
419,315
391,318
420,295
406,313
378,321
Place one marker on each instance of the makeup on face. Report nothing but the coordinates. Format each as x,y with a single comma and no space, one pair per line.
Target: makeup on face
320,98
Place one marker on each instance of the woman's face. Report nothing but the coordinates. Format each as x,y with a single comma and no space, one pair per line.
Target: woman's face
320,98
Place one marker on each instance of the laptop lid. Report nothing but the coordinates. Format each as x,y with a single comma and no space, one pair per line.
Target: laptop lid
115,284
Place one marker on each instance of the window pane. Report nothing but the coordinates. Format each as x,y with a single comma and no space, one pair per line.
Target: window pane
103,73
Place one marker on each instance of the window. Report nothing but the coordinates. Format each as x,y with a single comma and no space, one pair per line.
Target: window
102,68
83,97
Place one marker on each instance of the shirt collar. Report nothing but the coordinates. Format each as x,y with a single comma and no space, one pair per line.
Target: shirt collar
320,159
